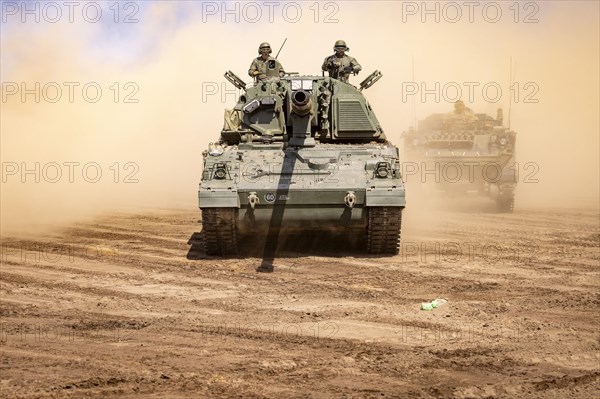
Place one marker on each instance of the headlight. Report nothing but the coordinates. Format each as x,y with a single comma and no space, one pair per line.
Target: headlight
382,170
503,141
220,172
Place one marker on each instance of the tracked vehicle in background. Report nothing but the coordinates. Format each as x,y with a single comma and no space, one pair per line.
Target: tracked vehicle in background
301,154
464,156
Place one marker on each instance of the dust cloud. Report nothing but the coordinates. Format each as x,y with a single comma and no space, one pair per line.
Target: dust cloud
149,152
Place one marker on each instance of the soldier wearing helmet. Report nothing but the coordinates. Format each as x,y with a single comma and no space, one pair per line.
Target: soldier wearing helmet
340,65
459,119
462,113
264,67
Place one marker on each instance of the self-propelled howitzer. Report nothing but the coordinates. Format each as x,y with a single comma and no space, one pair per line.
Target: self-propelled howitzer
301,153
472,155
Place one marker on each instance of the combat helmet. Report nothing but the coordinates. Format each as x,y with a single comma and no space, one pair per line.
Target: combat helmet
340,43
264,45
459,106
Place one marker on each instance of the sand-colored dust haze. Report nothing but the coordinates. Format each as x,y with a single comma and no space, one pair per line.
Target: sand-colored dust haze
165,133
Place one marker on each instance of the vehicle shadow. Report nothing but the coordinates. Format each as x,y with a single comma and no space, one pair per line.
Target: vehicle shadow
289,245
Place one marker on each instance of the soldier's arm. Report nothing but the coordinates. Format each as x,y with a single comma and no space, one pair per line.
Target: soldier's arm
325,64
253,71
281,70
355,65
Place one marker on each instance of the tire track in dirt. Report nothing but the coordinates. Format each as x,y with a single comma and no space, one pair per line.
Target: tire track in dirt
137,309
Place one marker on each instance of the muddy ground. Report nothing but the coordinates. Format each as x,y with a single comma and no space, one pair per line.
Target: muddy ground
129,305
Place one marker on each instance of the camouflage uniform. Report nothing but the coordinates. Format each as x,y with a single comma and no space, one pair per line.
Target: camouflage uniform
269,69
336,66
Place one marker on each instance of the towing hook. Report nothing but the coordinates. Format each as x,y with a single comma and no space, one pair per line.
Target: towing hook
350,199
253,199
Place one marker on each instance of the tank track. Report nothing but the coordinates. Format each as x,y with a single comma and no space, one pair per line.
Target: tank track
220,231
383,230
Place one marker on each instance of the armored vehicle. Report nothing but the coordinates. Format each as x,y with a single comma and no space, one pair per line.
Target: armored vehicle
301,154
464,154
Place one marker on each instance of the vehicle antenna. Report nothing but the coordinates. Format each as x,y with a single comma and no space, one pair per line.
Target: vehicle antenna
414,107
512,77
277,56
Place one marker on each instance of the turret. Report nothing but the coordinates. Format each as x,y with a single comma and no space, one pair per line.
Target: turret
301,110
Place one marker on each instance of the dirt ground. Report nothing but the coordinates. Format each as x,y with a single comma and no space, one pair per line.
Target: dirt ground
129,305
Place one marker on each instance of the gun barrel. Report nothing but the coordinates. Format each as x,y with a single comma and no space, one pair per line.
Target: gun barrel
301,102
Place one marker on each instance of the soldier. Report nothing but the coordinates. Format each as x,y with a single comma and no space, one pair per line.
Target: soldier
340,65
265,68
462,113
460,119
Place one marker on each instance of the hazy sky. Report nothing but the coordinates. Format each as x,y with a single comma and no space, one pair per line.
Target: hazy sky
155,93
